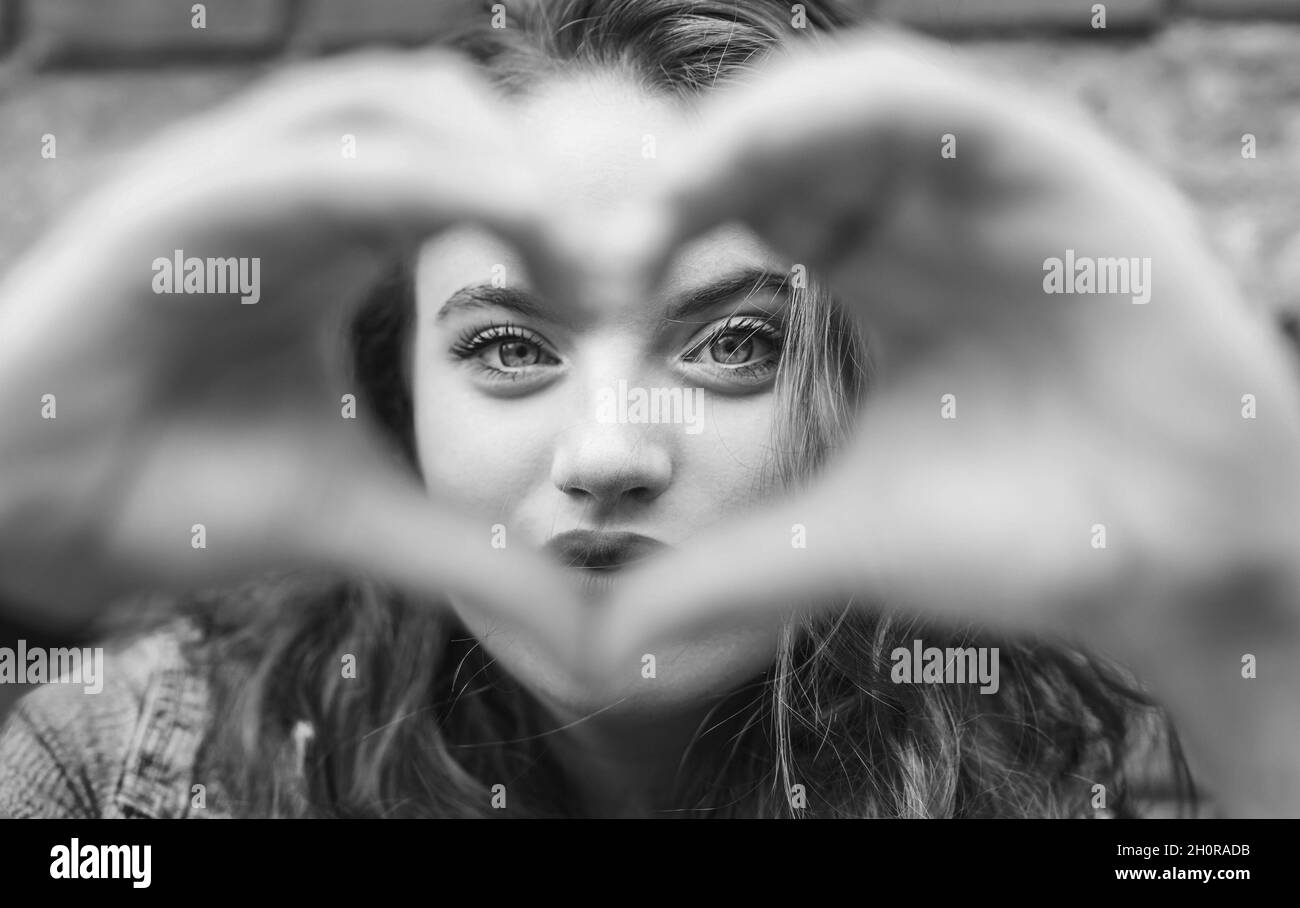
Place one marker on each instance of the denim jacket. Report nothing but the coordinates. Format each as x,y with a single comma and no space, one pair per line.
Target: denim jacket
130,750
135,748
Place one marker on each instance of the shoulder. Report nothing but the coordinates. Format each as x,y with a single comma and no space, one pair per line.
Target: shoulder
118,740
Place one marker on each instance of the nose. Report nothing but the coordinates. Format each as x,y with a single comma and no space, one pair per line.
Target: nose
606,466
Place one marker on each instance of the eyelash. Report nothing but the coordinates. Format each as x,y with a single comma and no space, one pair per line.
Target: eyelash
474,341
749,326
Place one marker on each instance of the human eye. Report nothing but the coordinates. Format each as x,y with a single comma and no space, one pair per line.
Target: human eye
740,350
505,352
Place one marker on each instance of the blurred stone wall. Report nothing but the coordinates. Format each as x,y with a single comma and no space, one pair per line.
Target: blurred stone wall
1180,81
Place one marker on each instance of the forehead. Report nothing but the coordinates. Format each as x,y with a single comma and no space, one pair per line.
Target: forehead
607,137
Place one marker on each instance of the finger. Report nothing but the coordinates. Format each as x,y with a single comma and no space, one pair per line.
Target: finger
386,526
779,560
369,512
435,91
214,497
916,517
297,207
431,147
370,115
861,92
824,152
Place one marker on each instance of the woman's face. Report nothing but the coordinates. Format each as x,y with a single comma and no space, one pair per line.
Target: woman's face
607,437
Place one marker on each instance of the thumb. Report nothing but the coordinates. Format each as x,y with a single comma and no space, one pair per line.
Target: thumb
767,562
385,524
889,522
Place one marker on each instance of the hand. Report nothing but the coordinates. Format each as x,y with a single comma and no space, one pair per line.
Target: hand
1075,414
176,410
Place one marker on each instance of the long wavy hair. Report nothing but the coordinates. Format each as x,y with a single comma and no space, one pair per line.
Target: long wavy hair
430,722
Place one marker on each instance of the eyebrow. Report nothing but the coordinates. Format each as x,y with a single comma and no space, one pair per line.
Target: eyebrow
485,296
749,282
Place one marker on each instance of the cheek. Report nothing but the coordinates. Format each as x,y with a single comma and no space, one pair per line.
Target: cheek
728,463
476,450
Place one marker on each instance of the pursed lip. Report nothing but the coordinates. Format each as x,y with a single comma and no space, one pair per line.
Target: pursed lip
594,550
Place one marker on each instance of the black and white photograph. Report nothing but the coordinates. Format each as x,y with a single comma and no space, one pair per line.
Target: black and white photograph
650,409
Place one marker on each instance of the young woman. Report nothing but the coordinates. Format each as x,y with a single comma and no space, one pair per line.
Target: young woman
626,197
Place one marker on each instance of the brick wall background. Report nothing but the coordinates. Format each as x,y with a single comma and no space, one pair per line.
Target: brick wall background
1179,81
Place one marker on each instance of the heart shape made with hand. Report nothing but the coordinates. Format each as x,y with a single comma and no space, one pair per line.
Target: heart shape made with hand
1057,359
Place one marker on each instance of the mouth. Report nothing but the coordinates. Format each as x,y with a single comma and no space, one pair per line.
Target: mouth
598,557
